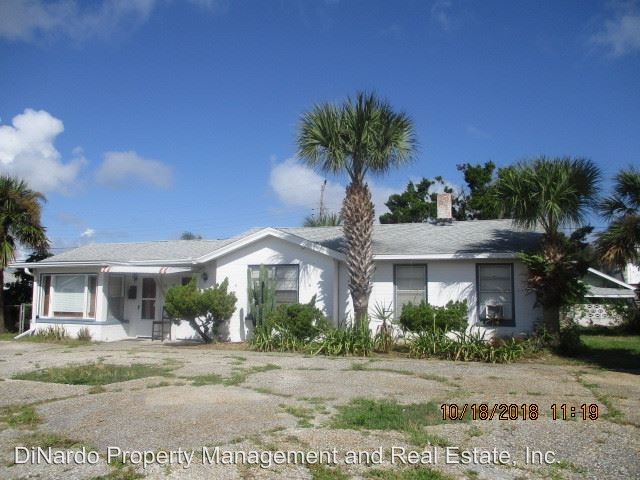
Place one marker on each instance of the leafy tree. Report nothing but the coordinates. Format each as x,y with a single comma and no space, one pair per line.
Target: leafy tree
416,204
480,203
205,310
20,211
323,220
551,193
362,135
190,236
620,243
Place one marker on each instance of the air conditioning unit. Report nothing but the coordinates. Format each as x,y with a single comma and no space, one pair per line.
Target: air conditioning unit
494,312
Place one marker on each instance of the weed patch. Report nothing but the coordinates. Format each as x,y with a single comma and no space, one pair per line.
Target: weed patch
304,415
94,373
423,473
20,416
612,412
211,379
323,472
49,440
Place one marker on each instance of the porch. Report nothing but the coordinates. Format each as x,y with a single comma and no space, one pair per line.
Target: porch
116,303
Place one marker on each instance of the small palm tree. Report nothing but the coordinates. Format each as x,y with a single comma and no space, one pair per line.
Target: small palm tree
361,136
551,193
323,220
20,210
620,243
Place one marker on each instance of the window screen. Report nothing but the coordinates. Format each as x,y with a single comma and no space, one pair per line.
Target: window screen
495,293
410,285
284,278
115,298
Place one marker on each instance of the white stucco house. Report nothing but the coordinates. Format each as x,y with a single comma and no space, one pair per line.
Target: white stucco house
117,290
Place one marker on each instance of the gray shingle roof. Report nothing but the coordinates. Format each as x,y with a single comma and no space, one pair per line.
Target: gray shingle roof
477,236
170,250
605,292
486,236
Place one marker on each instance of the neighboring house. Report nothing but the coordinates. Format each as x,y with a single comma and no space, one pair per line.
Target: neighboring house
631,274
117,290
602,291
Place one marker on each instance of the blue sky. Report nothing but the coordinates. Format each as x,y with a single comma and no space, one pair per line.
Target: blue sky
142,119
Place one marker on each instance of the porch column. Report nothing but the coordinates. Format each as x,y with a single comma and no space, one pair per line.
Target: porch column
101,299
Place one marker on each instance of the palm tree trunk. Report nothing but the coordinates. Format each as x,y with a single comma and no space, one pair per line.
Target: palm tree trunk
3,327
551,319
357,215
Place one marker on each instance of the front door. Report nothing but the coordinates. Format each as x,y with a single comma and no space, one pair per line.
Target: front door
147,307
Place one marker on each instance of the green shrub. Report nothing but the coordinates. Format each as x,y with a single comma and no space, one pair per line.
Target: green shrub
569,342
205,310
300,321
421,317
349,340
471,346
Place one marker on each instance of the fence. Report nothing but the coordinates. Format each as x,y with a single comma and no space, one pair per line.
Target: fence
17,317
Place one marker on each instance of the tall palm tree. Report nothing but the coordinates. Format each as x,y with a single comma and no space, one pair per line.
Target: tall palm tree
20,210
620,243
361,136
551,193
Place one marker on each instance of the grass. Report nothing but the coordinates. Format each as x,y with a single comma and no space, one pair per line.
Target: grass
360,366
411,419
94,373
240,375
19,416
210,379
304,415
422,473
7,336
46,440
614,352
323,472
612,412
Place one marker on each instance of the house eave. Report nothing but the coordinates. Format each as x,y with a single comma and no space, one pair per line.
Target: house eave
450,256
269,232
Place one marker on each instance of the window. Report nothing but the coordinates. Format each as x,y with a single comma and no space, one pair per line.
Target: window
285,278
410,285
69,296
495,293
148,298
115,297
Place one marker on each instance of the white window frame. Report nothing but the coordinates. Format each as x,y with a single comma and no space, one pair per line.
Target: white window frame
275,266
506,322
396,308
85,302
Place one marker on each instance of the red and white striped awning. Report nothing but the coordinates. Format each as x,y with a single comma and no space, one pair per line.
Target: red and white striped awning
148,270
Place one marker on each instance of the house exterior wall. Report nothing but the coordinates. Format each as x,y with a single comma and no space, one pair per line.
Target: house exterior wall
317,276
453,280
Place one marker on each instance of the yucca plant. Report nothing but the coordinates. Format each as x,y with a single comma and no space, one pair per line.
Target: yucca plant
384,338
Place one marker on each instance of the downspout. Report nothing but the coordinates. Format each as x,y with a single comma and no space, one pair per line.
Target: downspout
31,331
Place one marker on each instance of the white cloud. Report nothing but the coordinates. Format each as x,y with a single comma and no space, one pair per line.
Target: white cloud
621,35
120,168
79,20
441,13
298,186
27,151
88,233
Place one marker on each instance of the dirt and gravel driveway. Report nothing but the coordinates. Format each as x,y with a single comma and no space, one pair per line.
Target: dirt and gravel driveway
284,403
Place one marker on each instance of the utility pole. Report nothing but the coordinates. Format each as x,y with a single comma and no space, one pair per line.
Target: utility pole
321,210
